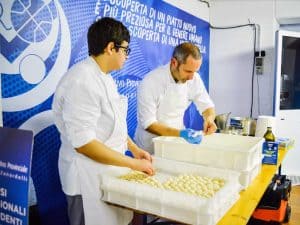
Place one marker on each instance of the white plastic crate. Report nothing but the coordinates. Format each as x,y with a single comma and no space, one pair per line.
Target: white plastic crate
226,151
176,206
247,176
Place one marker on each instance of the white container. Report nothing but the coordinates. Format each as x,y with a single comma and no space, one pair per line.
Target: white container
173,205
247,176
226,151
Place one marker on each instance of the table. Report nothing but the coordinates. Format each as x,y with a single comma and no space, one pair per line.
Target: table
241,211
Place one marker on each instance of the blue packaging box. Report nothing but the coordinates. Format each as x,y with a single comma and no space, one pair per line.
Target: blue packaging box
270,152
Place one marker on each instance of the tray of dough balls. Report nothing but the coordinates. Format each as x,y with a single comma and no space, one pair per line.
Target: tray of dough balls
179,191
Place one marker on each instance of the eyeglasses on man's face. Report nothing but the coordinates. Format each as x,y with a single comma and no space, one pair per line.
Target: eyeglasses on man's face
126,50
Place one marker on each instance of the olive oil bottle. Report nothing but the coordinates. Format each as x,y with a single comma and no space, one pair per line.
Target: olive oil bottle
269,136
270,148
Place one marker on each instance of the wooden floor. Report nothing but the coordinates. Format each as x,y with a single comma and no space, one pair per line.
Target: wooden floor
295,204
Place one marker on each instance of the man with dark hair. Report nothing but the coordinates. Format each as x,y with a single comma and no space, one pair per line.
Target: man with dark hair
90,115
164,95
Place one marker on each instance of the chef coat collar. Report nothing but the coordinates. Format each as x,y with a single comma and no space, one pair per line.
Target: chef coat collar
96,64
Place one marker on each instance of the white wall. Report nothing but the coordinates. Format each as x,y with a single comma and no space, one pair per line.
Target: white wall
193,7
231,52
287,11
232,56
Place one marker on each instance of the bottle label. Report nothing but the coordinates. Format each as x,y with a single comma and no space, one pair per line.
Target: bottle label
270,152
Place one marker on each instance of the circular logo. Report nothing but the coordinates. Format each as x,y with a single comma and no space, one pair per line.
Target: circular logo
35,54
32,24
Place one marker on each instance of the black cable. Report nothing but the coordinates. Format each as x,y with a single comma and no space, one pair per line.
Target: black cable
254,49
232,27
206,2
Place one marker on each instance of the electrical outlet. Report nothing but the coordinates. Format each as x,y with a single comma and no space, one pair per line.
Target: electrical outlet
259,65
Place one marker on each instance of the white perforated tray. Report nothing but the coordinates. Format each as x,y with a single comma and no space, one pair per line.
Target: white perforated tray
226,151
170,204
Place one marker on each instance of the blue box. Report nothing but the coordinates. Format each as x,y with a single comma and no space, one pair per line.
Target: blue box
270,152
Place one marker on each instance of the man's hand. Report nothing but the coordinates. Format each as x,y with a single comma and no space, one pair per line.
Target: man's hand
142,154
142,161
143,165
209,126
191,136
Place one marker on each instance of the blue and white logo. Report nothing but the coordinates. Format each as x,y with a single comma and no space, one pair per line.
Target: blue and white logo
35,52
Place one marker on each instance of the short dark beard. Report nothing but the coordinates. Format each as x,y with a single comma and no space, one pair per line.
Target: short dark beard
176,69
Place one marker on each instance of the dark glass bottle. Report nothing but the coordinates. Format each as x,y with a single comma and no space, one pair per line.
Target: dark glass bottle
269,136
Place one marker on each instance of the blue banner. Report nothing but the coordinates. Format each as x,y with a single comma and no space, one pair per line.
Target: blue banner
15,161
41,40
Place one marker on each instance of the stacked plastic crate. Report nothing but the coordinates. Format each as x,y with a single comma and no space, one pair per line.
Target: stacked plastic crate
242,154
175,205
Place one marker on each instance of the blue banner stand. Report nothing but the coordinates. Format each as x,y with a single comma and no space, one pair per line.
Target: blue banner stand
15,160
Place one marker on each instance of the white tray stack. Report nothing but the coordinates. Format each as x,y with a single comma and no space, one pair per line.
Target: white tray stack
239,153
177,206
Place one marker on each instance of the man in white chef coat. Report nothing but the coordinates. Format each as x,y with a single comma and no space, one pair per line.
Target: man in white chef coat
164,95
90,115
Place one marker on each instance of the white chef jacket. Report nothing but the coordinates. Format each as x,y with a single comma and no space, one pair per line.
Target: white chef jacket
82,113
87,106
150,93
